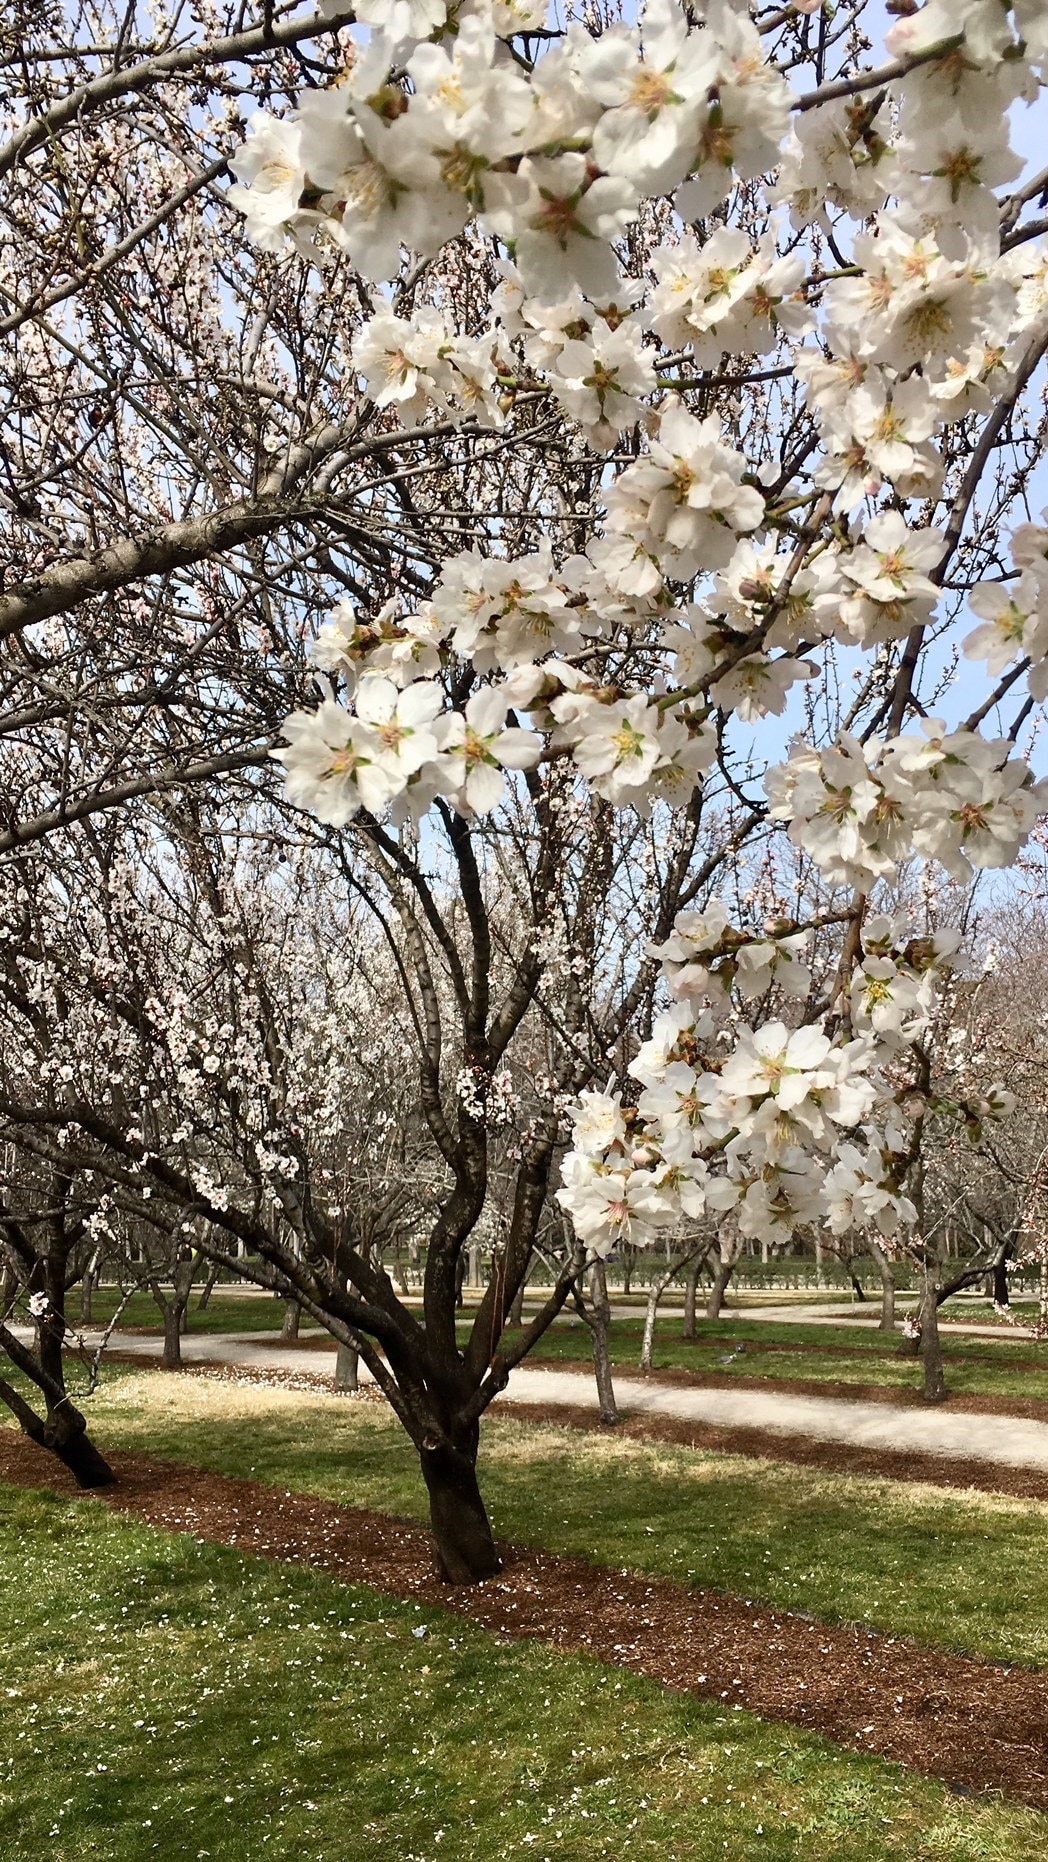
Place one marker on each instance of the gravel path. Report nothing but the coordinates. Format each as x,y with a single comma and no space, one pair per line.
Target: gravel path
1010,1441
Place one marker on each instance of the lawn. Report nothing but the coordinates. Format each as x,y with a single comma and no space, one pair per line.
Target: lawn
736,1347
171,1698
225,1312
963,1569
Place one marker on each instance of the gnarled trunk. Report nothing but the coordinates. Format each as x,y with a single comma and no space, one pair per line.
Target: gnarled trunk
65,1434
462,1537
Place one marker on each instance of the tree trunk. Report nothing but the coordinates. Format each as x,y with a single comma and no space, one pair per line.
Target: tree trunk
87,1294
207,1290
857,1287
171,1359
515,1316
884,1269
600,1326
476,1258
347,1371
722,1273
691,1294
292,1318
1001,1292
931,1345
647,1346
462,1537
65,1434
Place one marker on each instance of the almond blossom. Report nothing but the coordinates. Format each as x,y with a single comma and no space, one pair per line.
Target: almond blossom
476,747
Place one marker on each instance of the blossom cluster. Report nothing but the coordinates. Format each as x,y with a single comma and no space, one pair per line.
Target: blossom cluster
775,1128
859,808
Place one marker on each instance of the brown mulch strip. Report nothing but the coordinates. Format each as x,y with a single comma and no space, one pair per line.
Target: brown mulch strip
977,1725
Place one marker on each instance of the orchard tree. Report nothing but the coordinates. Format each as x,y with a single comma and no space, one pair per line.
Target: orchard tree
735,555
628,383
992,1192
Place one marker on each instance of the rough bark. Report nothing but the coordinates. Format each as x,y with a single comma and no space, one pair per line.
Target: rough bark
462,1537
292,1319
63,1432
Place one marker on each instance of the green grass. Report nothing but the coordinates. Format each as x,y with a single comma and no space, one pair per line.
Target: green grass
225,1312
976,1366
176,1699
964,1570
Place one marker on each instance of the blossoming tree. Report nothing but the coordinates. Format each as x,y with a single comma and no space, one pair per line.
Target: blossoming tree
670,212
693,368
